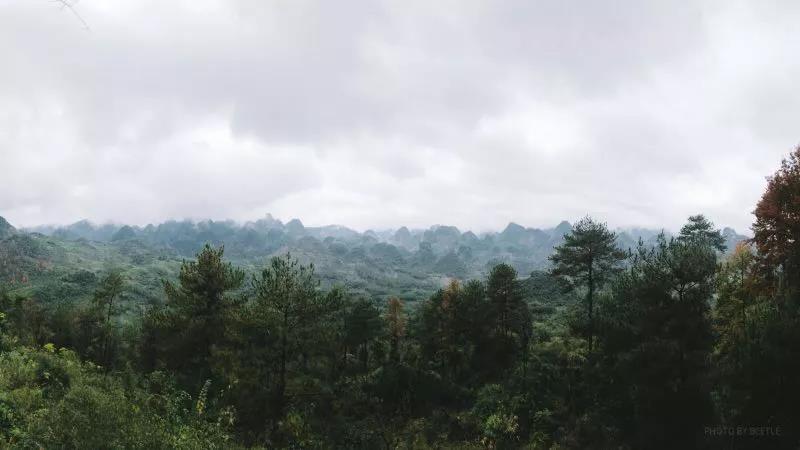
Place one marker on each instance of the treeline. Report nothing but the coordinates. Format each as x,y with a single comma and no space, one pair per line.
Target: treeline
671,346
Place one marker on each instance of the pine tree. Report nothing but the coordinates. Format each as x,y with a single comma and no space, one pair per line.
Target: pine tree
362,325
288,300
588,258
110,289
700,230
655,342
191,324
509,316
505,296
396,322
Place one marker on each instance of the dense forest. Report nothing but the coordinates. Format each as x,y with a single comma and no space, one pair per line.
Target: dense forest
271,335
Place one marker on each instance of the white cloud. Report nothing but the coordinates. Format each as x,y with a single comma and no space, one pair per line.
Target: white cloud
388,113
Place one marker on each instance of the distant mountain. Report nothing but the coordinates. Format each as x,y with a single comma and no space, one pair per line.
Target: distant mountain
403,238
333,231
86,230
451,265
440,251
123,233
732,238
295,228
268,222
6,230
442,238
513,233
561,229
408,263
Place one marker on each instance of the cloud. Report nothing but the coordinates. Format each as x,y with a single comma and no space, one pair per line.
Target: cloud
389,113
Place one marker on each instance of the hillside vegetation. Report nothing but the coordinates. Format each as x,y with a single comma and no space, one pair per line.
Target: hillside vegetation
272,335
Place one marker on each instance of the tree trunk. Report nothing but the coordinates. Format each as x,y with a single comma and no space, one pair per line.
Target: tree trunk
106,333
591,305
282,380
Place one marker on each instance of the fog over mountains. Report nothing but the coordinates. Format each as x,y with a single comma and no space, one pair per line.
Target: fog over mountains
440,249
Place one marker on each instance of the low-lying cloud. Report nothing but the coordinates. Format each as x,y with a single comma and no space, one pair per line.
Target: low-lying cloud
389,113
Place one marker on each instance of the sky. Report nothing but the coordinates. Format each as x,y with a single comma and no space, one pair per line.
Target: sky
377,114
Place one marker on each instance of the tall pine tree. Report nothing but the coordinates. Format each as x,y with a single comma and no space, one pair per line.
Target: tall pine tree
187,329
588,258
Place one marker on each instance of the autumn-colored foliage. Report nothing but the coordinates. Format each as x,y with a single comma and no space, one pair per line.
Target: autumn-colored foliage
776,230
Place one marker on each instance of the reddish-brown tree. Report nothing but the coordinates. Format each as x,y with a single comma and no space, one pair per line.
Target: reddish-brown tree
776,231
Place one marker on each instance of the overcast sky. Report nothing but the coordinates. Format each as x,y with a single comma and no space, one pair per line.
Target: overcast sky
376,114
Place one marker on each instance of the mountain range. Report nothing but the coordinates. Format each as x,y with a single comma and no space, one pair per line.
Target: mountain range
410,263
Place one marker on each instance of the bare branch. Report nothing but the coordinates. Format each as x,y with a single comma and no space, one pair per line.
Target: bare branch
70,5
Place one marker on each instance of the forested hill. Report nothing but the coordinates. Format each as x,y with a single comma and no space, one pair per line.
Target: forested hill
441,250
125,342
60,264
6,229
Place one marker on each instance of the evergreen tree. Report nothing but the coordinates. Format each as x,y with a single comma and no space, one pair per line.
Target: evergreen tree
440,332
362,326
509,316
505,297
655,340
588,258
110,289
742,320
396,323
701,231
191,323
288,300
